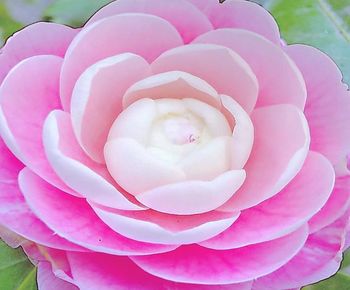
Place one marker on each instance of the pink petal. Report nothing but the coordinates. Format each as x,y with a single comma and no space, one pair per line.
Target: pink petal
100,89
73,219
240,14
293,206
111,38
186,18
36,39
173,85
48,281
280,147
243,132
193,197
195,264
106,272
222,68
336,206
31,90
15,213
148,227
317,260
280,81
77,170
328,103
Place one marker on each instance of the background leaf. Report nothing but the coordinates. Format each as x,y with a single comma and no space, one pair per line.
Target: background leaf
321,23
16,271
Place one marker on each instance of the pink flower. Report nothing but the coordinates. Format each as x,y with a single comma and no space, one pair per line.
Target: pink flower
173,145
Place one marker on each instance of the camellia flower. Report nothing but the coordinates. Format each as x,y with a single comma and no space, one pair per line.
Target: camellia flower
173,145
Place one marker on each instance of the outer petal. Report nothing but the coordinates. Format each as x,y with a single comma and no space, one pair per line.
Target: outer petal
36,39
75,168
100,89
281,144
193,197
224,69
186,18
280,81
48,281
145,228
240,14
195,264
173,85
285,212
31,90
318,259
84,227
328,103
336,206
138,39
15,213
106,272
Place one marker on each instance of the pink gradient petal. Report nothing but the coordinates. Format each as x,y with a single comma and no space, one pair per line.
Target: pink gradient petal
243,132
173,85
195,264
328,103
15,214
146,226
186,18
221,67
273,161
36,39
105,272
77,169
292,207
100,89
240,14
84,227
336,206
31,90
111,38
318,259
48,281
193,197
280,81
127,161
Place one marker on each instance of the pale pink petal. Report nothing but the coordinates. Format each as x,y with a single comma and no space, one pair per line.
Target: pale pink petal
280,81
152,231
186,18
193,197
195,264
36,39
111,37
318,259
221,67
285,212
100,89
48,281
11,238
73,219
328,103
240,14
336,206
281,144
243,132
77,170
30,91
15,214
173,85
127,161
106,272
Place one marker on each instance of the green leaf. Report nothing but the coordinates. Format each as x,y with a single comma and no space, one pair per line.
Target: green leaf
74,13
339,281
324,24
16,271
7,25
